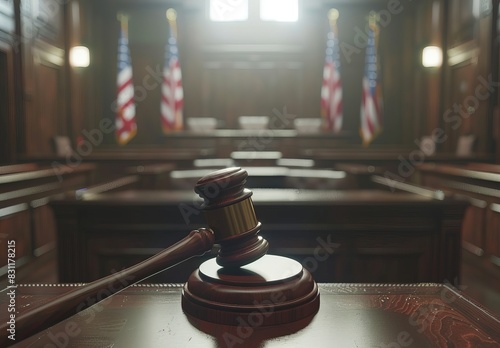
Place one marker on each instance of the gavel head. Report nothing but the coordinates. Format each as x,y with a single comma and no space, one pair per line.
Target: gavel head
229,212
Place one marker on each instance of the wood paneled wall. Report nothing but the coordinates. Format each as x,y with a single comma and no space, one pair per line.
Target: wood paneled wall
44,84
7,102
468,97
495,68
254,67
246,68
33,92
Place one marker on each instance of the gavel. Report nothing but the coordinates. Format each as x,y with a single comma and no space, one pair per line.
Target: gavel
232,224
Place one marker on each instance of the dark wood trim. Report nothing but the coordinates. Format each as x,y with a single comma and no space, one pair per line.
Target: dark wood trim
20,126
9,132
494,119
460,172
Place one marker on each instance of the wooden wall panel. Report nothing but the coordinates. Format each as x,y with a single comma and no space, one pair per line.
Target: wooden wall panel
245,88
8,53
45,111
45,95
492,235
467,104
430,30
7,104
458,117
474,227
48,17
495,70
234,69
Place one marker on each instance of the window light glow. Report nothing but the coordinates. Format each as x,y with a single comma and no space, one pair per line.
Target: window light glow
228,10
279,10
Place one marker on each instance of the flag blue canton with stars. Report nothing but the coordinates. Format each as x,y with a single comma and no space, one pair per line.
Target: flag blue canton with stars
123,52
332,50
171,50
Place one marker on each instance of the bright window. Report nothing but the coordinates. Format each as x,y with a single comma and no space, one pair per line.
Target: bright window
279,10
228,10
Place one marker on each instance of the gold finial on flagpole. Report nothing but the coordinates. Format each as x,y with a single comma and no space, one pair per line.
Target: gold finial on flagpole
171,14
373,18
123,19
333,16
172,20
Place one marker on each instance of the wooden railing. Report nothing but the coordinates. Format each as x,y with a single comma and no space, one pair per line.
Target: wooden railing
25,216
479,184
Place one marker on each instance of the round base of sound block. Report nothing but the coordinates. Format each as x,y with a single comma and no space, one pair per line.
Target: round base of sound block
273,290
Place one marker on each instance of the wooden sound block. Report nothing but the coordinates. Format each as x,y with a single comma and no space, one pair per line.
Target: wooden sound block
273,290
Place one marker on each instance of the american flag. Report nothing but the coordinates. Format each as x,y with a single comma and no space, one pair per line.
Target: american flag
126,127
171,91
331,90
371,103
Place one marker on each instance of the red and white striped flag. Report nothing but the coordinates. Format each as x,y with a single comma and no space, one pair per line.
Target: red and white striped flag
371,103
331,90
171,91
126,127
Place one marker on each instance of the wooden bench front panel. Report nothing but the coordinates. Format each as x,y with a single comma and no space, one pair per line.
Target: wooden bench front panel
341,237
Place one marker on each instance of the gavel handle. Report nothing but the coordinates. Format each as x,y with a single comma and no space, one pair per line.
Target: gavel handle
40,318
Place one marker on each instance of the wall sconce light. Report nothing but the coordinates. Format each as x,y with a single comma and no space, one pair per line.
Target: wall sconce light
432,57
79,57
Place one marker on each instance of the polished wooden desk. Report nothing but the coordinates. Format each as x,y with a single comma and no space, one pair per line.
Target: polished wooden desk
350,315
369,236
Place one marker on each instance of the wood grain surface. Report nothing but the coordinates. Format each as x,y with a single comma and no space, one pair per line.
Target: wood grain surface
350,315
